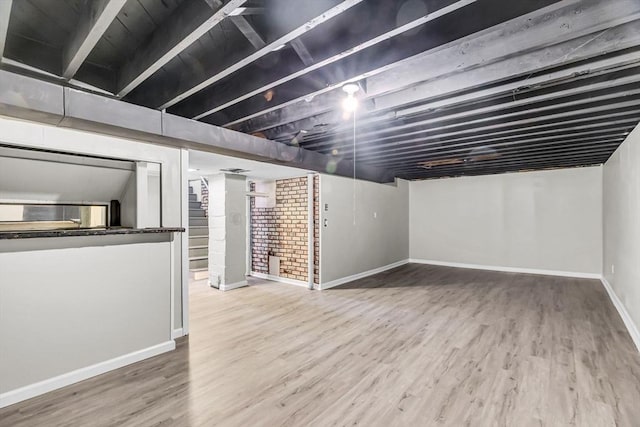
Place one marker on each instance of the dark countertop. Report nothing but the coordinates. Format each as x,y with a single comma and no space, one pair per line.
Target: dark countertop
7,235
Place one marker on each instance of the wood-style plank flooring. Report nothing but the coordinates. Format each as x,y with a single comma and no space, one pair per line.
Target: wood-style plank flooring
415,346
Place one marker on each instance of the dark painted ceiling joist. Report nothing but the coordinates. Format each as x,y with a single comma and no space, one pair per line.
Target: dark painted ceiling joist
446,146
494,141
248,31
514,37
528,160
191,21
95,20
557,138
578,146
512,166
573,100
463,132
340,49
300,28
523,155
446,88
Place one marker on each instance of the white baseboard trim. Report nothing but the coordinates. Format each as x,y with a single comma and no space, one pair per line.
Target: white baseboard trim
33,390
357,276
596,276
626,318
177,333
279,279
231,286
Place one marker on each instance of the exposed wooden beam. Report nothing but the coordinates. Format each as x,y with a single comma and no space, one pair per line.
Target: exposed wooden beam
626,35
407,144
516,126
423,174
541,30
302,52
611,141
616,127
5,14
466,117
248,11
95,20
251,89
186,25
529,160
521,153
270,47
248,31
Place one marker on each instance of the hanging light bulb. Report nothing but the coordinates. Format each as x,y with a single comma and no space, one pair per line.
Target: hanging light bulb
350,103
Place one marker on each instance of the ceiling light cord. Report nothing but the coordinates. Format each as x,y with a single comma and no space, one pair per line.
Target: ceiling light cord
354,168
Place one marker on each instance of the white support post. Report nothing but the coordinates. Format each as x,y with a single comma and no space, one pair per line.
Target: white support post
310,242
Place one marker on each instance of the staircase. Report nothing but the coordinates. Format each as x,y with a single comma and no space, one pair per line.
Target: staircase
198,238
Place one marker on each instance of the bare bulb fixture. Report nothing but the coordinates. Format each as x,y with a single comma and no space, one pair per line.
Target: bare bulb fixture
350,103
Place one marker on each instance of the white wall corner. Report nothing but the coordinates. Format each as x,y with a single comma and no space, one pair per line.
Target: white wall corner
626,318
42,387
575,274
343,280
231,286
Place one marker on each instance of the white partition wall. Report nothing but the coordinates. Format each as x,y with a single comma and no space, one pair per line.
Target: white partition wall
547,221
363,228
621,212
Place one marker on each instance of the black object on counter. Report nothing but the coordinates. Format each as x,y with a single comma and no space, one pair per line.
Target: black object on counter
114,213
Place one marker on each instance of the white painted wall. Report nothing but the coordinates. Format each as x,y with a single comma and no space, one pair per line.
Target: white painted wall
227,230
621,220
71,302
356,241
547,220
28,180
28,134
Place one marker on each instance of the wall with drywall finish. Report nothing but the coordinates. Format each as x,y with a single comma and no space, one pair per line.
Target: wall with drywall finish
34,135
373,235
227,231
621,214
545,220
71,303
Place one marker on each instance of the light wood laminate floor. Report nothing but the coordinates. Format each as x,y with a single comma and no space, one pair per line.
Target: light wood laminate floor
415,346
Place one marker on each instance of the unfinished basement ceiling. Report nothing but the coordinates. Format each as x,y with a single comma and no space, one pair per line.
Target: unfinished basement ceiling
447,88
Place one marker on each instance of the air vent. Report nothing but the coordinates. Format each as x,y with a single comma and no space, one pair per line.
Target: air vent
234,170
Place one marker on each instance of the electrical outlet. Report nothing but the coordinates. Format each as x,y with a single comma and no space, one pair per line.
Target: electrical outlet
375,214
613,269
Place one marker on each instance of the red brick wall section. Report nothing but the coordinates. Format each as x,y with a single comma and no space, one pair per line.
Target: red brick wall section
282,231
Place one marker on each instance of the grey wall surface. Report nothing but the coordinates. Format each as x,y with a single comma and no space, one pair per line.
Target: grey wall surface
548,220
355,241
27,134
71,302
35,180
621,214
227,229
236,227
